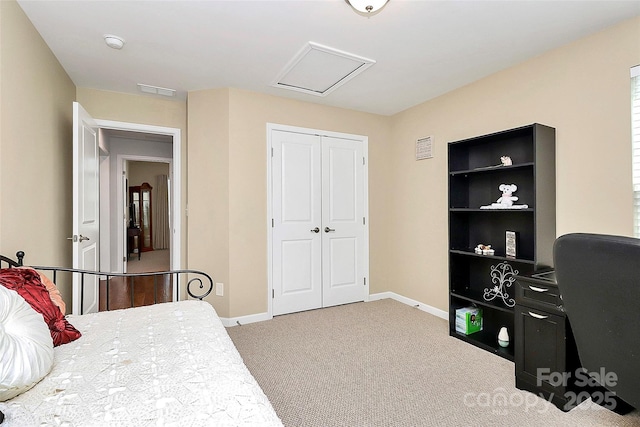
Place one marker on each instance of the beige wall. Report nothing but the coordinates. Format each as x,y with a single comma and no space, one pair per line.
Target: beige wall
141,172
573,89
143,109
243,195
208,158
35,145
582,89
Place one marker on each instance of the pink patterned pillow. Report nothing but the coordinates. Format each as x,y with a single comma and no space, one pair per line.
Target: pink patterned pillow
54,293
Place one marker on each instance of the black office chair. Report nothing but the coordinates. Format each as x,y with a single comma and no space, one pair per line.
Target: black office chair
599,280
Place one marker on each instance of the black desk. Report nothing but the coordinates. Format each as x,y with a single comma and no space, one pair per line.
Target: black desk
546,356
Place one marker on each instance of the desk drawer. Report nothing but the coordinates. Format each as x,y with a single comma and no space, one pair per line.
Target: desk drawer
533,293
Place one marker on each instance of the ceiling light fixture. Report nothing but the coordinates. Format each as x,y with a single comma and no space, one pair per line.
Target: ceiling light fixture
114,42
367,7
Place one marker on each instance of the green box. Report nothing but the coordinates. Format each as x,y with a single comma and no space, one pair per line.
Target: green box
468,320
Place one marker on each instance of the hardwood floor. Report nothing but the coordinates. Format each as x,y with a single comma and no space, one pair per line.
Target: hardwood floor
139,291
135,292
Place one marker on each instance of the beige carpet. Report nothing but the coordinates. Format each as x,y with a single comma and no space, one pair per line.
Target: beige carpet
387,364
150,261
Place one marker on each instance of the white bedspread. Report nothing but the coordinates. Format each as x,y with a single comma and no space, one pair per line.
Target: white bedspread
162,365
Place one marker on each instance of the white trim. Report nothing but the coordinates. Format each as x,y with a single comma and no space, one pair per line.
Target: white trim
365,153
365,150
270,128
413,303
261,317
244,320
297,129
635,146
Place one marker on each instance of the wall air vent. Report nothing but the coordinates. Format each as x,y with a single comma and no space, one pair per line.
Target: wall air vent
319,70
156,90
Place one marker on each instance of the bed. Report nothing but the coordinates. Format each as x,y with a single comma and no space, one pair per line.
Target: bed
165,364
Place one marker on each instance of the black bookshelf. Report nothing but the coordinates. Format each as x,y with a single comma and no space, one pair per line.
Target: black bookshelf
475,173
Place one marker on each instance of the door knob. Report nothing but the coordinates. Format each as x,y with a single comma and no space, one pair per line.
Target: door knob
81,238
315,230
327,229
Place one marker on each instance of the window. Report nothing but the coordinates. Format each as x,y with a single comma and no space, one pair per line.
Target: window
635,140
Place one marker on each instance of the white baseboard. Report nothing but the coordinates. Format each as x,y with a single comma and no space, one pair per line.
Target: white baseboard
243,320
261,317
413,303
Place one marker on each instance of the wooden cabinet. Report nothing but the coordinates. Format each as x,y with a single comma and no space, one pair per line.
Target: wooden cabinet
476,172
546,357
140,215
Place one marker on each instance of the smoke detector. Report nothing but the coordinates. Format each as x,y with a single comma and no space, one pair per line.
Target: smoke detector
114,42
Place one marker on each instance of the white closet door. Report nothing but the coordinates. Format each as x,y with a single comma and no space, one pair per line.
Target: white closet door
297,254
342,221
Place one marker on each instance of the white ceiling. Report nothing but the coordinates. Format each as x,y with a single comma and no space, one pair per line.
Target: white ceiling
422,48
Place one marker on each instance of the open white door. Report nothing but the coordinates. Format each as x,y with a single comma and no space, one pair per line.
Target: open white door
86,219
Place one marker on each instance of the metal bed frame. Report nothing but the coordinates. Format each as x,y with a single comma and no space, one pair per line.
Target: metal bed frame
197,287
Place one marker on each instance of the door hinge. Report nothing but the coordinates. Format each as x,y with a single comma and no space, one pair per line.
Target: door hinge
124,259
271,151
273,293
273,223
363,221
363,161
365,281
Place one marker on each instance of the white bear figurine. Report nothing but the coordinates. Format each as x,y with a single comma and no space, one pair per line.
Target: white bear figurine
506,161
507,198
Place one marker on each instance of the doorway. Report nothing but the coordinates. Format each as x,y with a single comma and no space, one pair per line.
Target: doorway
134,143
148,246
318,197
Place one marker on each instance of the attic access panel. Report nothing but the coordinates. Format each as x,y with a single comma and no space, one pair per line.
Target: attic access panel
319,70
